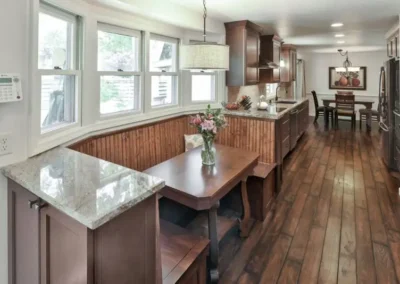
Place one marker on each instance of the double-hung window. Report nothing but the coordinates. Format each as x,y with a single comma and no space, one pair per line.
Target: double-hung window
119,68
58,67
163,70
203,87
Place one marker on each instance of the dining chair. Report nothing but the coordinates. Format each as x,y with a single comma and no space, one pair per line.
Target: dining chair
345,107
320,110
375,115
346,93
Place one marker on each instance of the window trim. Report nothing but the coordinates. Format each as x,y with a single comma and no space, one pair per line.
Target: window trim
74,69
110,28
214,74
150,74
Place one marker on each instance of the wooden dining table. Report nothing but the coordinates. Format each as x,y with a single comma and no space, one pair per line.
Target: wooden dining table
367,104
201,187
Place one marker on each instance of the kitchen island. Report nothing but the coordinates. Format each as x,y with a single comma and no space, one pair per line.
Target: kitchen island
78,219
271,134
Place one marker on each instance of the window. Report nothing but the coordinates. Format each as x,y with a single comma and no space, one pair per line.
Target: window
118,64
58,66
203,87
163,70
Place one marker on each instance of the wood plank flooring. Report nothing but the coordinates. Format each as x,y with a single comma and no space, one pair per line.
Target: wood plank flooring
336,220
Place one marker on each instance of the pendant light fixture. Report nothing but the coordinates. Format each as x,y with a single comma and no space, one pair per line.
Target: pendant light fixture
204,55
347,65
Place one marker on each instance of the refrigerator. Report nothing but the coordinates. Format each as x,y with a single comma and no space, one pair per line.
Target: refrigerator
390,114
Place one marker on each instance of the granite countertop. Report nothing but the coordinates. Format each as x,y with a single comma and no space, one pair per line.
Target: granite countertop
90,190
264,113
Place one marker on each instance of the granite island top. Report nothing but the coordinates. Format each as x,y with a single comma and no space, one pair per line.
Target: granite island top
264,113
90,190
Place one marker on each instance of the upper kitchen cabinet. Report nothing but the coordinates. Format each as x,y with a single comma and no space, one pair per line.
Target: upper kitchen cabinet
289,58
243,38
393,46
270,54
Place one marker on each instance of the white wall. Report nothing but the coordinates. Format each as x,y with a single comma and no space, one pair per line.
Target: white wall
13,116
15,57
317,74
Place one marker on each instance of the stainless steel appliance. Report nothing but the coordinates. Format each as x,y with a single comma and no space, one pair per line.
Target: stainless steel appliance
389,110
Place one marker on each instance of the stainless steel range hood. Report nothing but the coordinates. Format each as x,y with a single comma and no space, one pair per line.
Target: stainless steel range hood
267,64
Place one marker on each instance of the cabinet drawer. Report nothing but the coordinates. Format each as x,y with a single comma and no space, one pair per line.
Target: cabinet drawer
397,157
285,146
285,128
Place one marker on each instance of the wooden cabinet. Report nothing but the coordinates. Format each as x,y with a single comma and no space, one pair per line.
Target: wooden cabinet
47,246
243,38
393,46
298,123
284,137
270,54
23,240
288,71
294,125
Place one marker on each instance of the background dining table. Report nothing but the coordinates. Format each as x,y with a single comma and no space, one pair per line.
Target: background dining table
366,103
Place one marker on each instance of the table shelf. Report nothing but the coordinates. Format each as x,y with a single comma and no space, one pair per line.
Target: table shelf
199,226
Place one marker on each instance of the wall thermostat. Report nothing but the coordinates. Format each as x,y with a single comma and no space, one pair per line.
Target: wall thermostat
10,88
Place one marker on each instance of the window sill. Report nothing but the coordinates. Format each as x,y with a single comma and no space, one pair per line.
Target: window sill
77,133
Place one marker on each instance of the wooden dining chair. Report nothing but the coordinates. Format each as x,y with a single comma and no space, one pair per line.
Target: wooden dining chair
320,110
345,93
345,107
375,115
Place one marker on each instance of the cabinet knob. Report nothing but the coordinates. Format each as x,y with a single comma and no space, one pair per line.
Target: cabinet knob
33,202
40,205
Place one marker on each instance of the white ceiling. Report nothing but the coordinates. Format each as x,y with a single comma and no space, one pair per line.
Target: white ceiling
306,23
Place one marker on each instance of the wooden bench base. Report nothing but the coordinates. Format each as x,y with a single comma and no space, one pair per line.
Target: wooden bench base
261,190
183,255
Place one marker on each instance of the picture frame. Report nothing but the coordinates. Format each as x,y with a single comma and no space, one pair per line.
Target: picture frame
355,80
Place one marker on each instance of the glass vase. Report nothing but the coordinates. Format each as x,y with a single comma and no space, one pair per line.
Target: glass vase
208,151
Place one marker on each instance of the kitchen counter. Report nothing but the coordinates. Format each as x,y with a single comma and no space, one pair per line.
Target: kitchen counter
264,113
90,190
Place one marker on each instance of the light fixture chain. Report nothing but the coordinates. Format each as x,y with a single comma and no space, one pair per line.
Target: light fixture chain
205,17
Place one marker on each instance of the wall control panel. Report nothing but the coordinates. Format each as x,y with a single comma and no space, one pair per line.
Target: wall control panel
10,88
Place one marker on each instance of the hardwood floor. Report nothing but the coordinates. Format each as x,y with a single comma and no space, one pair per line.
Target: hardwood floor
337,219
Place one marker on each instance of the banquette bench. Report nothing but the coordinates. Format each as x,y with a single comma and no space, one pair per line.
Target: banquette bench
145,146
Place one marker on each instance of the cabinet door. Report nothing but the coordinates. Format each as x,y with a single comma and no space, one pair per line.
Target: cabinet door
276,51
390,47
252,56
277,60
293,129
64,249
293,67
23,228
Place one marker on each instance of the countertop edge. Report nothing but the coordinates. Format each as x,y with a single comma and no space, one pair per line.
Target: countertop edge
260,114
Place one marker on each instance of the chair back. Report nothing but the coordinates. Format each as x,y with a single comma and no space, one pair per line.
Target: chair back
345,102
316,104
345,93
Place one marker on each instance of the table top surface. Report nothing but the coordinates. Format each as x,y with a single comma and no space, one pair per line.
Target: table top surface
186,177
356,101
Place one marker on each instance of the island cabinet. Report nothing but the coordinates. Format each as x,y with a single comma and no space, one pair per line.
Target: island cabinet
243,38
102,227
288,70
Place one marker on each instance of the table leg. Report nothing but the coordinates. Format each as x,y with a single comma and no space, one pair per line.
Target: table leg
369,121
213,236
369,116
326,117
245,222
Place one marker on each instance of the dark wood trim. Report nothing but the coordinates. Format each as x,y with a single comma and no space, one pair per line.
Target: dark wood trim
11,235
123,130
244,24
